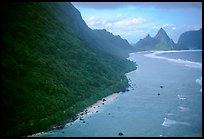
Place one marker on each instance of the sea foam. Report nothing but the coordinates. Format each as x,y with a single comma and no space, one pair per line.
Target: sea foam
168,123
185,62
169,114
182,97
199,81
183,108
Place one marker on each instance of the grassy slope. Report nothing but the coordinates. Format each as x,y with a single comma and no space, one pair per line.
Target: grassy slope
49,72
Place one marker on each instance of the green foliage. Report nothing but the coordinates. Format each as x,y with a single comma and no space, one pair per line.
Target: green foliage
118,46
50,73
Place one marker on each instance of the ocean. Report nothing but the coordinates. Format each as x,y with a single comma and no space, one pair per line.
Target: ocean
164,99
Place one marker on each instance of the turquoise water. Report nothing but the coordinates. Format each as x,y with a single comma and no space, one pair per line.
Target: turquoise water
177,111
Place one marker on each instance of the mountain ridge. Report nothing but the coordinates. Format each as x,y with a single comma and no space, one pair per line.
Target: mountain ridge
118,44
52,67
161,41
190,40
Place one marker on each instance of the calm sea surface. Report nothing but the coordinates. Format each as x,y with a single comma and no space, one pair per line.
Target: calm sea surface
165,100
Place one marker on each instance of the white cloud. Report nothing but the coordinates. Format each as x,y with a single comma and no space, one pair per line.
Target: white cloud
155,27
167,25
91,21
134,32
91,18
136,28
134,22
119,23
103,22
126,27
128,23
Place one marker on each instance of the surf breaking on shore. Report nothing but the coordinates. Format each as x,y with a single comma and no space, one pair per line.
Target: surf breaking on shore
154,54
199,81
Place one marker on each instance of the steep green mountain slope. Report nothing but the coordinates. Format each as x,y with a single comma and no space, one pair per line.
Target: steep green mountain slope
161,41
101,39
50,69
165,43
146,44
190,40
113,44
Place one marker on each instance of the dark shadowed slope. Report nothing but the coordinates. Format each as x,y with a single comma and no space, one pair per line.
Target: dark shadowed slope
51,69
101,39
113,44
190,40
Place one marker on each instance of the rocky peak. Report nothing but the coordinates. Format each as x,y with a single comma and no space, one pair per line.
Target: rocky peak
161,41
161,35
148,37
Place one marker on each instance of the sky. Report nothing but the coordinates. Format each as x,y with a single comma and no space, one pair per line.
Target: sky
135,20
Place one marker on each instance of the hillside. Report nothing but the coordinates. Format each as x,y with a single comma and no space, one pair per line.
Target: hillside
160,41
113,44
190,40
52,66
99,38
146,44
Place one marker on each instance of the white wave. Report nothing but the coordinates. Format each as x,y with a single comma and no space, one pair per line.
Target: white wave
180,51
168,122
184,123
185,62
199,81
197,66
169,113
183,108
182,97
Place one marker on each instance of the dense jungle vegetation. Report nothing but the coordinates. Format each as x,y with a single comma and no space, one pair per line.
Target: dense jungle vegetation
49,71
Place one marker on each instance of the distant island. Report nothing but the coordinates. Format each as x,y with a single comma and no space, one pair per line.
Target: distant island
161,41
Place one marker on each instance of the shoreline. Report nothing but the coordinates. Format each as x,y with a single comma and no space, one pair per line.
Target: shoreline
87,111
94,108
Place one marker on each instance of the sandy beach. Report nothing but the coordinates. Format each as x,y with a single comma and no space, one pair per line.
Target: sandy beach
95,107
86,112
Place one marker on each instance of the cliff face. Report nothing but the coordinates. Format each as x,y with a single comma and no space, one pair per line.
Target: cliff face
190,40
